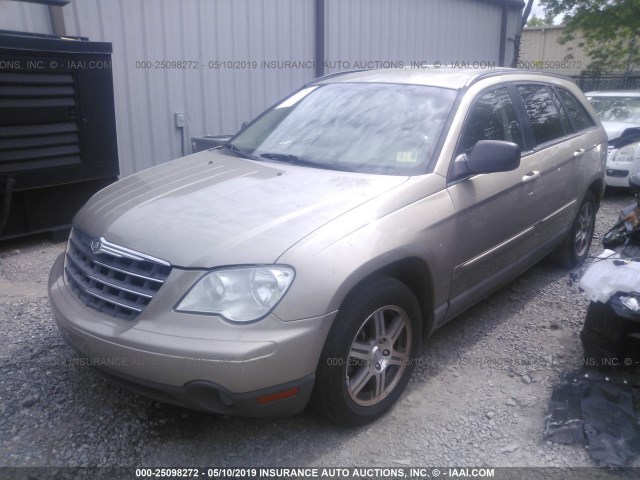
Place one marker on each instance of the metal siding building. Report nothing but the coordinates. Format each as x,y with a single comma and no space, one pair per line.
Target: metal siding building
417,30
216,99
541,44
24,17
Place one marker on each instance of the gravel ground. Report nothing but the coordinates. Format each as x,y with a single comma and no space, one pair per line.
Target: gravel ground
478,397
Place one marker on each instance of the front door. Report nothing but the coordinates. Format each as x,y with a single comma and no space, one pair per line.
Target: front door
495,211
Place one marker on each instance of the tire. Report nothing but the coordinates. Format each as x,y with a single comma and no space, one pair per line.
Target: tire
605,337
575,247
368,356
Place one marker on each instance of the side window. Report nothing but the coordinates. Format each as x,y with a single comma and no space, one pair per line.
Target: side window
492,117
579,116
542,112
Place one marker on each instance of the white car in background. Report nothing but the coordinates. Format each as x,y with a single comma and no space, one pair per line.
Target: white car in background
619,112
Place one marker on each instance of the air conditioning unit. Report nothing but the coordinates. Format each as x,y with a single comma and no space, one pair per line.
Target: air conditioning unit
57,129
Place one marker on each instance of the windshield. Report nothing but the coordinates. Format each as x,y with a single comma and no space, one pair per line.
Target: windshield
375,128
617,109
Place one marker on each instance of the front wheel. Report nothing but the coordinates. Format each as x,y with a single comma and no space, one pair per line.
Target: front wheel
369,354
575,248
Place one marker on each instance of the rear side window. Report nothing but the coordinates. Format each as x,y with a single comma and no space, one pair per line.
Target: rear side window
542,112
492,117
579,116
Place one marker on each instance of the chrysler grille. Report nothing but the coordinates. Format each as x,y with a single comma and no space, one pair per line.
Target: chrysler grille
119,283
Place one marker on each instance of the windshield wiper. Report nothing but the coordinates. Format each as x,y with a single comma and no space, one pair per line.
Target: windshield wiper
239,151
281,157
295,160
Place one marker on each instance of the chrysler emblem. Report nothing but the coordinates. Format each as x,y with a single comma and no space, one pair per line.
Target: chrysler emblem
101,245
96,245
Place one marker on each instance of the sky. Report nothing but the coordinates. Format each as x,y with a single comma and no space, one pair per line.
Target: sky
539,11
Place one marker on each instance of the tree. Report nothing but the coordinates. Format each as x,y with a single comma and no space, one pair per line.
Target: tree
536,21
610,31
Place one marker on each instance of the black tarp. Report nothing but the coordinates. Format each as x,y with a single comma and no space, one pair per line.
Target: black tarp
596,408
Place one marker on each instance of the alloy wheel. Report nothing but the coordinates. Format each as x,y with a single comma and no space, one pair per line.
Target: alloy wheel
584,229
378,355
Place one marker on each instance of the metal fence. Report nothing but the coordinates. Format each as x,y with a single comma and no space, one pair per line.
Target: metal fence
608,82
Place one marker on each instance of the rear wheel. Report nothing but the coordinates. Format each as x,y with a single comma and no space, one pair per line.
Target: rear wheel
368,357
575,248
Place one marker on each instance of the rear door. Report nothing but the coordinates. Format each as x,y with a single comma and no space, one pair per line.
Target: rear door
586,145
554,151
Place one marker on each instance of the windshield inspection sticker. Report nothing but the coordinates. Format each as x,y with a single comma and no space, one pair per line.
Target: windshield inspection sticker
407,157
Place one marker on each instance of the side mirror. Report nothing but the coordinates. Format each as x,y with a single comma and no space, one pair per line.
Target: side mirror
487,156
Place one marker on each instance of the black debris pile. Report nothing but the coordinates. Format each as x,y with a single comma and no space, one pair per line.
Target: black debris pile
596,408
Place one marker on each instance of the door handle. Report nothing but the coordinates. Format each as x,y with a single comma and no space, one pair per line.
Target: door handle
531,176
578,153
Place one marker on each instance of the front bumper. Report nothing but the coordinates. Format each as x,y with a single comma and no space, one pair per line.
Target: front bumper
198,361
616,177
290,398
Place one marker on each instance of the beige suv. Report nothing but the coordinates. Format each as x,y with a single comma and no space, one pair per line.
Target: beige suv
312,254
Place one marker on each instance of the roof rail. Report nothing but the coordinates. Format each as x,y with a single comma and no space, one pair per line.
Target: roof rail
512,71
489,73
335,74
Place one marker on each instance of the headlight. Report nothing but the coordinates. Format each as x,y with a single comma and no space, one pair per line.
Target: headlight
238,294
631,303
626,153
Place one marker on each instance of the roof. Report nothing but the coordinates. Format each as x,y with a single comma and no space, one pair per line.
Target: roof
454,78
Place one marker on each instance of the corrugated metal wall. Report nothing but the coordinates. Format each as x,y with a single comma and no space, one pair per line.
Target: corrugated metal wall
217,98
24,17
540,45
412,31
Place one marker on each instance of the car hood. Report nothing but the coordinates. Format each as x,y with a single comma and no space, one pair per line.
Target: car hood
621,133
212,209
